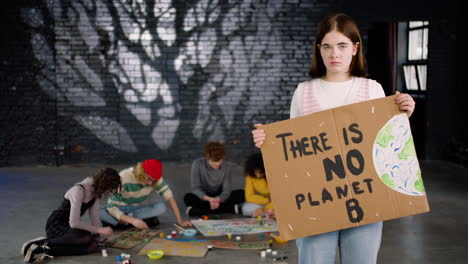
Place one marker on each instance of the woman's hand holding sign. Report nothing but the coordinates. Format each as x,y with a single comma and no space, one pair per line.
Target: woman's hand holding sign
258,135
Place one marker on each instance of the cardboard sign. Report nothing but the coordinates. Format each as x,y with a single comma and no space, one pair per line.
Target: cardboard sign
176,248
343,167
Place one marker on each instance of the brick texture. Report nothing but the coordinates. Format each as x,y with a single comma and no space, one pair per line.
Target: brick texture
121,81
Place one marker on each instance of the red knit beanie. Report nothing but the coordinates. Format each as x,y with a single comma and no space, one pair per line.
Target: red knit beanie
153,168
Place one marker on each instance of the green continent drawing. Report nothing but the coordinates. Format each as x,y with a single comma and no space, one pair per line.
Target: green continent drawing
395,157
384,136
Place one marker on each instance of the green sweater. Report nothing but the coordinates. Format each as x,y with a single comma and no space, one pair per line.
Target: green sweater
133,193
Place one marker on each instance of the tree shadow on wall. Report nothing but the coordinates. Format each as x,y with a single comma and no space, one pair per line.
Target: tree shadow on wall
27,114
158,77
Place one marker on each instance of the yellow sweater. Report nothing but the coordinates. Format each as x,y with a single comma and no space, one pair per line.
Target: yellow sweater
257,191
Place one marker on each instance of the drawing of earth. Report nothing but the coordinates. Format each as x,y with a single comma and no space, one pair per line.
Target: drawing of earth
395,158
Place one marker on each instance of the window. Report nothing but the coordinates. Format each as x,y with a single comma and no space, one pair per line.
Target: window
415,68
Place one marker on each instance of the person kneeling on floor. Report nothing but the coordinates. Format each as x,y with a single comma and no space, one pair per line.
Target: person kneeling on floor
125,207
67,235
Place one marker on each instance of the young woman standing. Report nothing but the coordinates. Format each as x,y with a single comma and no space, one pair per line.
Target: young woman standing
338,74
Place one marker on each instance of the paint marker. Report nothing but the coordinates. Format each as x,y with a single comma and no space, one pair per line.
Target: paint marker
280,258
260,220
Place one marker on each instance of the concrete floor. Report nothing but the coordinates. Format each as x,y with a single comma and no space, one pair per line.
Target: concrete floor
28,196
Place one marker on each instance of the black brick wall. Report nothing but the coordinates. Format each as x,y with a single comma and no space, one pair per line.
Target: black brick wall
105,82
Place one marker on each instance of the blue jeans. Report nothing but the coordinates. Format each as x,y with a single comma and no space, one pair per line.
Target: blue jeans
248,209
141,212
358,245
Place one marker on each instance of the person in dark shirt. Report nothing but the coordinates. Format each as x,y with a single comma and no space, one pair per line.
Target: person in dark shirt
211,184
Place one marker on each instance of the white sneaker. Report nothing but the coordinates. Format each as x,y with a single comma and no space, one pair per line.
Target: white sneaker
28,243
236,208
37,253
188,210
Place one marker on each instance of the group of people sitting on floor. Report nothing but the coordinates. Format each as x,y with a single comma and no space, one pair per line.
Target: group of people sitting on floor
127,204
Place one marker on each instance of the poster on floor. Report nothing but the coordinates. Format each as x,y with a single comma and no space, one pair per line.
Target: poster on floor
343,167
176,248
130,238
239,226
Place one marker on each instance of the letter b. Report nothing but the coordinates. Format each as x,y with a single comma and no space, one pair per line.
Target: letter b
352,205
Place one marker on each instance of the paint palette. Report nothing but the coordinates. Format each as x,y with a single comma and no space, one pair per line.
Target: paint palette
189,232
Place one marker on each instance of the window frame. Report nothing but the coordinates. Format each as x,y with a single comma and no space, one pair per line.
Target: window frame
417,62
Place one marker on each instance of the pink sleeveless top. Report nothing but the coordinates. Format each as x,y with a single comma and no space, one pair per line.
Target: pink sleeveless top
310,103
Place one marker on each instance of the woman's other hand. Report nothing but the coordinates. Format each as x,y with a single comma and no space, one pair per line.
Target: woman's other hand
258,136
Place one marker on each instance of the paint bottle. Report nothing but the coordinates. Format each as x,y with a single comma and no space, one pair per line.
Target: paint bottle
260,220
229,236
118,259
127,259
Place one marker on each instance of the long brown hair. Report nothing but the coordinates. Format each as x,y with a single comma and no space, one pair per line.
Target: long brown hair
346,26
106,180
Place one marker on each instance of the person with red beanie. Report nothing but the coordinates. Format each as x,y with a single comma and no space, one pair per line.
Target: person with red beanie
138,182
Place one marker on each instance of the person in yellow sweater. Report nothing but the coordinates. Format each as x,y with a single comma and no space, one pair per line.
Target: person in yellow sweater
257,193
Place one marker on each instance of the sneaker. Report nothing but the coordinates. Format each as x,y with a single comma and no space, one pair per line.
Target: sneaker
28,243
236,209
152,221
187,211
37,252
